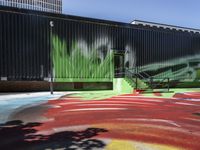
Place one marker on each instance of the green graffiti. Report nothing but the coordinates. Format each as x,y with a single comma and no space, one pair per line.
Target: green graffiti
79,66
185,69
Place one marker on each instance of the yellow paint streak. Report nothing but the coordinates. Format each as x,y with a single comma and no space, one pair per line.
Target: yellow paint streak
129,145
120,145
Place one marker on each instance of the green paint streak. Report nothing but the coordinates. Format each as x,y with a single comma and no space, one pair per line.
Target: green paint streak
83,80
120,87
101,95
184,69
198,74
95,95
140,84
81,65
170,94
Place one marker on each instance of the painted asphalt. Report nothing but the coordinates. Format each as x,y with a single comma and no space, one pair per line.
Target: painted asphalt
13,102
157,121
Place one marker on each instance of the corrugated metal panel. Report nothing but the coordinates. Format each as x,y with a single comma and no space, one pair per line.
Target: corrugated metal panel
82,52
83,48
24,46
168,54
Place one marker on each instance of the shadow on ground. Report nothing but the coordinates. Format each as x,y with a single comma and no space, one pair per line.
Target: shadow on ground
18,136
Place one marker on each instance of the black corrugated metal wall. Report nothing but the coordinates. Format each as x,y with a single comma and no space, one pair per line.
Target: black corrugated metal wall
159,50
25,46
89,37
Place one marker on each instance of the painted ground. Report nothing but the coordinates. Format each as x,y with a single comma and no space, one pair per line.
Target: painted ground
87,121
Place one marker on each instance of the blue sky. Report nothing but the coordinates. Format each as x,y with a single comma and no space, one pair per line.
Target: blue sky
184,13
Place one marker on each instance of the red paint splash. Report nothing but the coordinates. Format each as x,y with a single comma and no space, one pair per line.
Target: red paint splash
170,121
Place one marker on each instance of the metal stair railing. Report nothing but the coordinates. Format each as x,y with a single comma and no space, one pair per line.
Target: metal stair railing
129,75
140,74
150,80
146,74
147,78
160,83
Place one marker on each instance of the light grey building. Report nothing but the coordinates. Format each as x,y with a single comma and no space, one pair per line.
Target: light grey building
54,6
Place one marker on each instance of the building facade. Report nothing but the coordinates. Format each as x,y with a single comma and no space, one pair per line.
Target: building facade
54,6
77,49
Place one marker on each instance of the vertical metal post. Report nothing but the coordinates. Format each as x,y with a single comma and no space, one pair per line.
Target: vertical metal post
168,84
136,86
151,82
42,72
135,74
51,61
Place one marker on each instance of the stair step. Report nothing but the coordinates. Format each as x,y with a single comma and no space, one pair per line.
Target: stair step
140,83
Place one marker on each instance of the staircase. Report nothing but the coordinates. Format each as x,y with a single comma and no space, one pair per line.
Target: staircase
144,82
